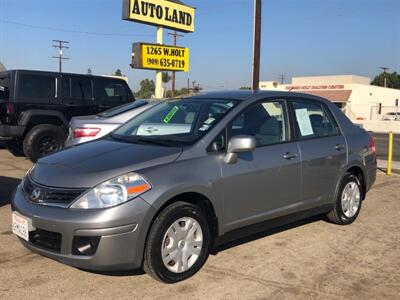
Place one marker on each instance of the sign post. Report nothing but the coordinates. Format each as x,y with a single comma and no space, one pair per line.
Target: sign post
159,89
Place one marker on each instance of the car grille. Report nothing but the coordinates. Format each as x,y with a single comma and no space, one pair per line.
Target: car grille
50,196
47,240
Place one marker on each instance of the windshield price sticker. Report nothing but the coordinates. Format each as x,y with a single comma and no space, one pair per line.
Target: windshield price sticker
168,58
171,114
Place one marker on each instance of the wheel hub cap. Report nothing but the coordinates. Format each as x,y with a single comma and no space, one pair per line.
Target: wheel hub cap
182,244
351,197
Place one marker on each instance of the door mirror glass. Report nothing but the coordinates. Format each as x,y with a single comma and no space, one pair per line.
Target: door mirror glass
239,144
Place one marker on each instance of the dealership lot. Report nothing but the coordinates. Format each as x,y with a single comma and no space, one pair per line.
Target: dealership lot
312,259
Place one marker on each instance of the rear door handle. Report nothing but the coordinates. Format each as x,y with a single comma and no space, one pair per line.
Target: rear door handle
289,155
339,147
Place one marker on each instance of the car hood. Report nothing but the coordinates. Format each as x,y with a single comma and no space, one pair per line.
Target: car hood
91,163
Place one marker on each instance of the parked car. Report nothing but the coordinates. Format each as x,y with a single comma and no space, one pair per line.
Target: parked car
392,116
36,106
165,188
89,128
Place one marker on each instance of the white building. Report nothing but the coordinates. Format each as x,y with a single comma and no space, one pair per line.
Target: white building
354,94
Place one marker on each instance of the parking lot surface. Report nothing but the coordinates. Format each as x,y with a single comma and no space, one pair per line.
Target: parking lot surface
311,259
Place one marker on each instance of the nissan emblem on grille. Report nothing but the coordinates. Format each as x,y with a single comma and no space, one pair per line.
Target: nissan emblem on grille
35,195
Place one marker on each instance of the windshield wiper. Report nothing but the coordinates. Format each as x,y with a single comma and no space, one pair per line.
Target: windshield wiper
143,140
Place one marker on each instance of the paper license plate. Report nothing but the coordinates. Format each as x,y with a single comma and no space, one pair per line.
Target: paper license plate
20,226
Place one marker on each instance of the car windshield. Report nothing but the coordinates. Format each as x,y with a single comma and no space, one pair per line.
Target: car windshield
112,112
175,123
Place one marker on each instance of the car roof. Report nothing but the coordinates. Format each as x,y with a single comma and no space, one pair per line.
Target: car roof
64,73
243,95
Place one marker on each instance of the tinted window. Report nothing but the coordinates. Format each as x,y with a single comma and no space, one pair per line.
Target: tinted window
77,88
37,86
112,91
312,120
4,87
265,121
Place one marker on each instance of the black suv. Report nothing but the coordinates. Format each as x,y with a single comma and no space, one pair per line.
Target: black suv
36,107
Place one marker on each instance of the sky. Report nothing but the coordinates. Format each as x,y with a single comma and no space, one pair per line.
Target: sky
299,38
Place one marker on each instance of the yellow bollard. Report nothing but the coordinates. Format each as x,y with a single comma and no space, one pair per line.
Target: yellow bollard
390,154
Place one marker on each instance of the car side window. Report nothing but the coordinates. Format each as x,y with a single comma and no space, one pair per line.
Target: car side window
265,121
112,91
37,86
77,88
312,120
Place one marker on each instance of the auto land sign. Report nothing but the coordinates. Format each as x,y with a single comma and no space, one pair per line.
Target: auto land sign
165,13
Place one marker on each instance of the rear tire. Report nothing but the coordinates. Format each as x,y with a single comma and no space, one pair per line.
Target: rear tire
187,253
42,140
14,147
348,201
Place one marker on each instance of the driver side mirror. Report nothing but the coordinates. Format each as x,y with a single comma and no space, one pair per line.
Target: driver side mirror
239,144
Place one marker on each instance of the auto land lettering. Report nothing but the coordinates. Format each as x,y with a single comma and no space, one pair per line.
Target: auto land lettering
160,13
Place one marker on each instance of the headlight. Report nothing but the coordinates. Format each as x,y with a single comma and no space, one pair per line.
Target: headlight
113,192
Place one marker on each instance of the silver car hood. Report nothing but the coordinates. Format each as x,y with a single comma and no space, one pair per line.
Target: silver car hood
91,163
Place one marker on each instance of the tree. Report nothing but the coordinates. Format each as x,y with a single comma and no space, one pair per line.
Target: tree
392,80
245,88
147,89
118,72
89,71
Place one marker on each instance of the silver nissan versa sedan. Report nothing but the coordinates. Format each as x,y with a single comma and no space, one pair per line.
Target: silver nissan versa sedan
162,190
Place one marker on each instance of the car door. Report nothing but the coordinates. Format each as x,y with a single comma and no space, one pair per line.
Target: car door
77,95
323,151
265,183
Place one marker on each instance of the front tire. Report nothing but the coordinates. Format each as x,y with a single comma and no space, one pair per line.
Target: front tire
42,140
178,243
348,201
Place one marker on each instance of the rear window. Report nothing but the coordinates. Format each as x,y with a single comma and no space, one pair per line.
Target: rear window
4,87
121,109
37,86
109,90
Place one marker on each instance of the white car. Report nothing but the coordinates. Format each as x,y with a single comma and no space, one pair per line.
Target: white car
88,128
392,116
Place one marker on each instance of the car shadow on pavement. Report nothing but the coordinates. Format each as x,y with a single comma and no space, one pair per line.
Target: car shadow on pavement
7,188
117,273
261,233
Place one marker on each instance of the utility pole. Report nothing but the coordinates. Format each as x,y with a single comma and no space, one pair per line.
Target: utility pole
384,75
60,45
282,78
175,35
256,44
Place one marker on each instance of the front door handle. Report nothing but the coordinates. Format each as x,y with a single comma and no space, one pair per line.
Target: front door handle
289,155
339,147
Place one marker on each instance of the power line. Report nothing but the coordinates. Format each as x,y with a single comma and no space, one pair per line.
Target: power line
60,45
71,30
282,78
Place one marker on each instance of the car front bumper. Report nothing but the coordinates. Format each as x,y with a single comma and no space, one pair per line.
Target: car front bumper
120,231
